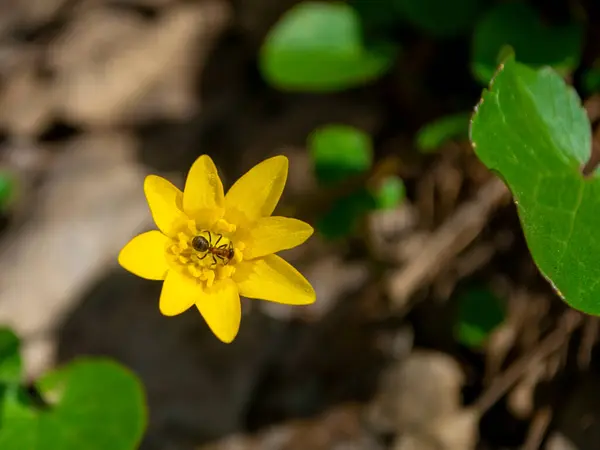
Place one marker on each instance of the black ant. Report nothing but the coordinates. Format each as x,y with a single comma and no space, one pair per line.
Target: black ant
224,252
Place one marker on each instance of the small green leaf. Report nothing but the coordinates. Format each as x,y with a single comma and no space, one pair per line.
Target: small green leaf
7,189
433,135
339,152
390,193
518,25
345,215
531,128
479,313
591,80
441,18
95,405
10,357
318,47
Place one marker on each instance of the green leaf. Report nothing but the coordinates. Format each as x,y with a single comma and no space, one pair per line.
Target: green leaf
7,189
318,47
95,405
531,128
433,135
519,25
10,357
339,152
345,215
479,313
441,18
591,80
390,193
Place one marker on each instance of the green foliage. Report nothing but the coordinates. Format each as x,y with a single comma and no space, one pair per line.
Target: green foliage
91,404
531,128
435,134
7,189
519,26
340,152
10,358
479,313
441,17
591,80
318,47
390,193
344,217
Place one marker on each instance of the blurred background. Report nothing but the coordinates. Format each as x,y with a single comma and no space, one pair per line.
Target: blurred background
432,330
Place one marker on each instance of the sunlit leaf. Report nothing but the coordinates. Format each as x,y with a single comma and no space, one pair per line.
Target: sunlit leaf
94,405
531,128
518,25
318,47
339,152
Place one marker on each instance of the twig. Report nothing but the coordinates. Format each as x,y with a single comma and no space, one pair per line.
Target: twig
588,339
449,240
538,428
553,342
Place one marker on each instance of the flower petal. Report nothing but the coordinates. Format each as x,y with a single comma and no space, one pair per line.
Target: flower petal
203,188
272,278
273,234
164,201
179,293
257,192
221,308
144,255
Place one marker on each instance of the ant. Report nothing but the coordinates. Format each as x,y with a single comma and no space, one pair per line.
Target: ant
224,252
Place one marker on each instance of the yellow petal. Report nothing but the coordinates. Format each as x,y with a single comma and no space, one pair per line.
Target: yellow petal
203,188
144,255
273,234
179,293
164,201
271,278
221,308
257,192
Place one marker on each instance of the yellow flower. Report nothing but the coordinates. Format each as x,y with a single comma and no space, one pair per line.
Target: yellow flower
212,248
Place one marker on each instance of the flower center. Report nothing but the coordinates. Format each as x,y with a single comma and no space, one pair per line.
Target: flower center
205,255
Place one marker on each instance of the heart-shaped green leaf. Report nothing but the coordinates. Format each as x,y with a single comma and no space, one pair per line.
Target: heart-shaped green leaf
441,17
531,128
433,135
479,313
318,47
95,405
339,152
518,25
10,358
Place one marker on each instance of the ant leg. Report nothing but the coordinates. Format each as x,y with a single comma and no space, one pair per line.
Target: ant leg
214,260
209,238
222,246
205,255
218,240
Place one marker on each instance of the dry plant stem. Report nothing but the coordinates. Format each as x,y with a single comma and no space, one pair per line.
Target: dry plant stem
553,342
447,242
589,338
538,429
